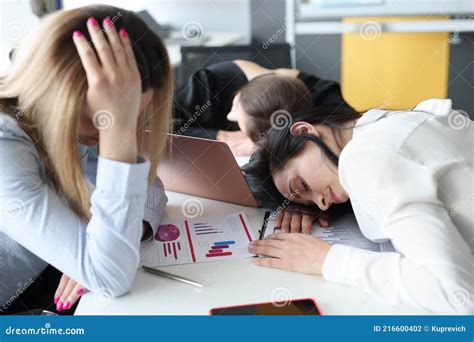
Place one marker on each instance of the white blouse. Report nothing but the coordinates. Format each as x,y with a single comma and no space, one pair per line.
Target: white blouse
409,175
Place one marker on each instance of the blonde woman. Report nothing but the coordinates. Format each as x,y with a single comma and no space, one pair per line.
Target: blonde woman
95,75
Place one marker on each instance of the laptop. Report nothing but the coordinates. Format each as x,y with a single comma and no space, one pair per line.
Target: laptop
204,168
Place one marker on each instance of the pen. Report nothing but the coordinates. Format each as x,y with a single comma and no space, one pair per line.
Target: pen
264,225
171,276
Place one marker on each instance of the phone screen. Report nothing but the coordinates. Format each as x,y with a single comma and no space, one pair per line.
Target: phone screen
296,307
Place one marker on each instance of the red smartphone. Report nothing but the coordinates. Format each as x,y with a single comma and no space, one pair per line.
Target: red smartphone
305,307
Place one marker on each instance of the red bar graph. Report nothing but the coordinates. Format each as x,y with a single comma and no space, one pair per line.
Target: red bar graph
174,251
210,255
221,246
220,249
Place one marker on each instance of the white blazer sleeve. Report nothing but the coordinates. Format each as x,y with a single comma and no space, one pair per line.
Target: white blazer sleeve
434,267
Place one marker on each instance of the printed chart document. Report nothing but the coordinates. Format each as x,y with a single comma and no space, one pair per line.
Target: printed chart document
201,239
344,230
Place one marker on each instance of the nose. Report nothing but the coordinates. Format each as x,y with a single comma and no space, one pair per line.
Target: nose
323,202
231,116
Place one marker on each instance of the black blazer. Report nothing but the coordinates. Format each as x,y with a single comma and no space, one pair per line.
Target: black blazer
201,105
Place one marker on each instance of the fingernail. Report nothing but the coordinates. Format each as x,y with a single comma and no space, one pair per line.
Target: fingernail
56,299
59,306
108,22
80,291
66,305
123,33
77,34
92,21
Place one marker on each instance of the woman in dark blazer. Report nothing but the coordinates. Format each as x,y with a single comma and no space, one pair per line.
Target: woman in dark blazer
236,101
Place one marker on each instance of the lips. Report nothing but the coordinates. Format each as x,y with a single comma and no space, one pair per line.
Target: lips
335,199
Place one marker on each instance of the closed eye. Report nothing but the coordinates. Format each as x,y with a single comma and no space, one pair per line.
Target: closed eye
304,185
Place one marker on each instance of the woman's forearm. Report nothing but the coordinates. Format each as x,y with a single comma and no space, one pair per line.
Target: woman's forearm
252,70
119,143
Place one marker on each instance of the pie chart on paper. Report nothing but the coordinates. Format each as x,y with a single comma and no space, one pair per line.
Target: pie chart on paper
167,232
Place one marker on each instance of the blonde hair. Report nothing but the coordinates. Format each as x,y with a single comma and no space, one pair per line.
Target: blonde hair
46,88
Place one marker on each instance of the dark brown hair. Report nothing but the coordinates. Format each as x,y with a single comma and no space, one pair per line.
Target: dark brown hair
267,94
278,145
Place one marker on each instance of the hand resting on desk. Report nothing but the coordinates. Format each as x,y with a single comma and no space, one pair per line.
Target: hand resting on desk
291,252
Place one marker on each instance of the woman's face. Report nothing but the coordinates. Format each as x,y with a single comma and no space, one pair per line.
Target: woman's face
89,134
309,178
237,114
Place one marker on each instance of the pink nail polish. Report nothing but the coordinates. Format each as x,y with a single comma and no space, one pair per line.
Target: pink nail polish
123,33
56,299
92,21
108,22
66,306
59,306
77,33
80,292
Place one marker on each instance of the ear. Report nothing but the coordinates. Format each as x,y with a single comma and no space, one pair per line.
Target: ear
301,127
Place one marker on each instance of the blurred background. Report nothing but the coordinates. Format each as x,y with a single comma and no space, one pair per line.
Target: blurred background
385,53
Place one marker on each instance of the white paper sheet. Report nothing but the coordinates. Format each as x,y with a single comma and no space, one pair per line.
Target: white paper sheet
344,231
199,240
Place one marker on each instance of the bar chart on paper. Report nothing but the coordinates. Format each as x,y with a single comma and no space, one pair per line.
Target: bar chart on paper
220,248
199,240
204,228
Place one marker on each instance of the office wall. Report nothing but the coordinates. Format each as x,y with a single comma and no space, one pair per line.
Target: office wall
215,15
461,72
321,54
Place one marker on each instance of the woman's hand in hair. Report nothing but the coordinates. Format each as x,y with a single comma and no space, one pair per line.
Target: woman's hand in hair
112,74
291,252
289,222
114,89
67,293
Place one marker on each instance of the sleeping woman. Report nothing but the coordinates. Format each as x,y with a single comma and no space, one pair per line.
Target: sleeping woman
236,101
409,177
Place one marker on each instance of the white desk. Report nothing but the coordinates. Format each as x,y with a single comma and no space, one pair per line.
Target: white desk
230,283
